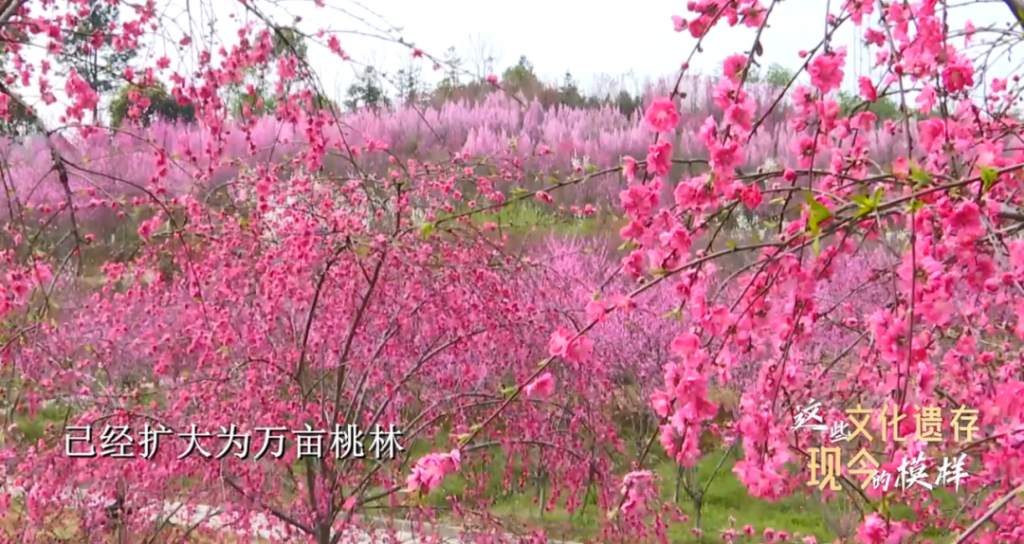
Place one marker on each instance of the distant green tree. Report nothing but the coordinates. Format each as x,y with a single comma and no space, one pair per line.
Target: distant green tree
883,108
367,91
452,71
409,83
20,121
260,102
162,105
88,48
753,74
286,41
569,93
778,75
626,103
322,102
521,75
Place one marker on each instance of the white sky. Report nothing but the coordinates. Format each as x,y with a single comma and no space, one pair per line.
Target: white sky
587,37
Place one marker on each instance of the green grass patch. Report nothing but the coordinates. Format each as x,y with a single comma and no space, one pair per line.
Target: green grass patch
523,217
33,427
726,497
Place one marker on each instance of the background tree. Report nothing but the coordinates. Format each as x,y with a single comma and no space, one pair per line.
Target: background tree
323,102
367,91
605,87
484,54
453,67
409,84
150,103
627,103
260,98
520,75
778,75
89,48
18,121
883,108
569,93
754,74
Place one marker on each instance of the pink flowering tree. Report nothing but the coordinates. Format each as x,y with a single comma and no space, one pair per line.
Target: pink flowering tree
176,335
379,293
935,326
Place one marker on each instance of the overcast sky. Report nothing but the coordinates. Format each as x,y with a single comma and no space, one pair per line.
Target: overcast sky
587,37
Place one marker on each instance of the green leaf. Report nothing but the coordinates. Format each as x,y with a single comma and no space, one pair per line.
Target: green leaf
658,272
779,200
819,212
628,245
867,205
731,244
519,191
426,229
676,313
591,168
922,178
988,178
507,391
915,205
816,245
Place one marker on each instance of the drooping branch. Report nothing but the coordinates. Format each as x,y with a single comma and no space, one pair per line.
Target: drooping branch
9,9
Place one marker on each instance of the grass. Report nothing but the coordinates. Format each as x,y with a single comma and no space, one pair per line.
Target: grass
801,514
34,428
725,498
523,217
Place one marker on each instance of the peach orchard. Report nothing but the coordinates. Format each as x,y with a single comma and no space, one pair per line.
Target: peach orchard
338,279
